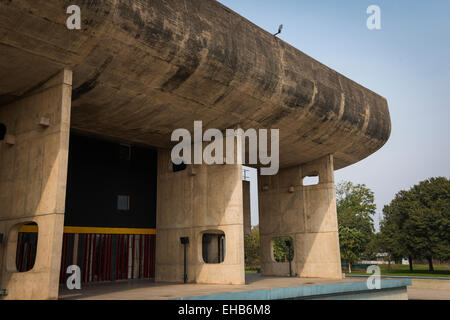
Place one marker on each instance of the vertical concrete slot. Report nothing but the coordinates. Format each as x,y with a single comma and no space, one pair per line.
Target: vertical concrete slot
27,240
2,131
213,247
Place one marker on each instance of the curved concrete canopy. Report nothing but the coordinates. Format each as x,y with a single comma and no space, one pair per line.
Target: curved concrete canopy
144,68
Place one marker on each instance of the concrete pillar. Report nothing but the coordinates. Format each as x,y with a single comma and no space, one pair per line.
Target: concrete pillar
201,199
33,171
307,214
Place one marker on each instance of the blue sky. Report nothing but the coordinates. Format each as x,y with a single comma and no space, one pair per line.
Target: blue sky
407,61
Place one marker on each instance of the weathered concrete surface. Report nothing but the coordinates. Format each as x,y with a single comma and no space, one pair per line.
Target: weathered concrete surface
198,200
307,214
33,175
144,68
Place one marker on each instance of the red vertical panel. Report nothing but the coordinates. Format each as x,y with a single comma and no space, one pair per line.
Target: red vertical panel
152,257
89,275
110,256
94,257
99,257
140,255
122,258
120,255
105,256
146,256
122,248
127,256
150,254
117,256
84,257
95,261
102,258
87,257
124,253
83,275
132,256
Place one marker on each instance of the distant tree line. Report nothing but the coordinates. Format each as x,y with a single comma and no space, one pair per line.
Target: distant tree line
415,225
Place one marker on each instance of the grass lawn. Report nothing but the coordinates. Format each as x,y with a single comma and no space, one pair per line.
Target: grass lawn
251,271
403,270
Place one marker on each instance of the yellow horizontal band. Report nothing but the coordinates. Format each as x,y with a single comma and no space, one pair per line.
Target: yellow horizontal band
28,229
95,230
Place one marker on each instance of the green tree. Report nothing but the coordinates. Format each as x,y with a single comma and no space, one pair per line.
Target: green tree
416,223
251,248
355,210
283,249
351,241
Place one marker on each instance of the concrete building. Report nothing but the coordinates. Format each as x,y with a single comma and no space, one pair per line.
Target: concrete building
85,123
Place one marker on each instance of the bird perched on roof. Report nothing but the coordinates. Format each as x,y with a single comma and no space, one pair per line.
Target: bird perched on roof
280,28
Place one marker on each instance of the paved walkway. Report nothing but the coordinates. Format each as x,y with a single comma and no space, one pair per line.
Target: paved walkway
148,290
428,294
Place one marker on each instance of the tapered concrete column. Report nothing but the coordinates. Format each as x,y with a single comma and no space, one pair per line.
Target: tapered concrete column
307,214
201,199
33,171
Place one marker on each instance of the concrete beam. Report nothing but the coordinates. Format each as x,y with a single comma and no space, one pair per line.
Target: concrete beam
145,68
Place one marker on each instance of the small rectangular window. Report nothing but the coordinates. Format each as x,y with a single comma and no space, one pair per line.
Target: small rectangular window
311,180
123,203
